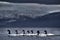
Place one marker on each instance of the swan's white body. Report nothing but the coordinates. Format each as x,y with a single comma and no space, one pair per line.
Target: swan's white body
41,35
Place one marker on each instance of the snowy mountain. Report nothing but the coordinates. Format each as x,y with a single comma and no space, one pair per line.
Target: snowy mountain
28,15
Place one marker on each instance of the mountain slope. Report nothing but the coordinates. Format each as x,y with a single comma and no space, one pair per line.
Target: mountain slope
49,20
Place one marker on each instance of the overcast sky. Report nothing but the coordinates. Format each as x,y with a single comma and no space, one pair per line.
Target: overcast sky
35,1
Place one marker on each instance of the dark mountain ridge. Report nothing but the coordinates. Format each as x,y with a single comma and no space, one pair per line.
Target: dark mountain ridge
49,20
34,1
